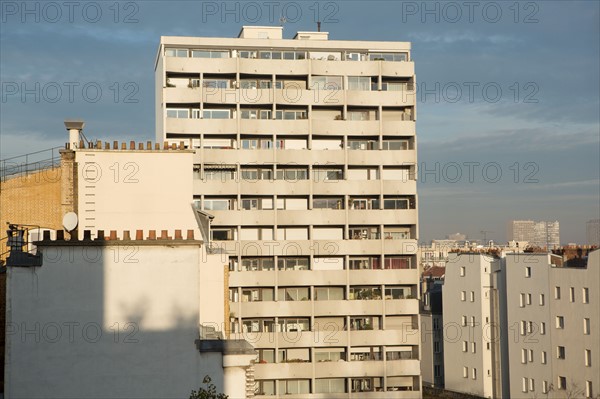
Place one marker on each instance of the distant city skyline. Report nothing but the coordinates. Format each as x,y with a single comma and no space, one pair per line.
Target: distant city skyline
531,152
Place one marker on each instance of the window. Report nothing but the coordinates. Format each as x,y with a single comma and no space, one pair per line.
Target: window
560,322
257,264
264,387
531,384
392,292
292,263
330,385
473,347
572,294
544,386
216,114
396,262
586,326
462,271
222,174
472,296
328,203
522,300
543,328
588,358
367,353
544,357
388,57
257,294
586,295
223,234
529,327
218,204
210,54
365,293
472,321
524,356
327,82
254,174
465,372
562,382
182,113
176,52
464,321
363,203
530,355
465,346
293,387
363,233
395,145
556,292
329,293
529,299
266,355
293,294
291,114
293,324
463,296
330,354
258,325
291,174
560,352
359,83
294,355
588,389
328,174
542,300
364,263
216,83
524,384
528,271
523,327
257,203
474,374
401,203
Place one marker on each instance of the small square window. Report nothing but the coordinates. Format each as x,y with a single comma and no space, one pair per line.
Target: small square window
588,358
544,357
465,346
528,271
474,374
463,296
544,386
542,301
529,299
556,292
472,296
464,321
543,328
465,372
560,352
572,294
586,326
473,347
462,271
588,389
560,322
524,384
562,382
531,384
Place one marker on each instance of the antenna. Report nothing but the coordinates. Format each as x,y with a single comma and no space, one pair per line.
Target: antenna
318,26
282,20
484,232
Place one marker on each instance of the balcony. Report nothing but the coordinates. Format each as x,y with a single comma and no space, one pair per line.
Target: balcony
279,187
317,216
273,67
237,156
181,95
215,187
272,309
400,69
312,277
303,157
350,187
351,68
243,217
294,96
383,216
398,128
341,127
197,126
197,65
385,98
292,370
378,276
232,96
385,337
252,279
270,126
352,307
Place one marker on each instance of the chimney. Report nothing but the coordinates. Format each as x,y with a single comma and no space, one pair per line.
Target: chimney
74,127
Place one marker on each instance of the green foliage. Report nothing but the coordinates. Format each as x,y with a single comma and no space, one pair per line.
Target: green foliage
210,392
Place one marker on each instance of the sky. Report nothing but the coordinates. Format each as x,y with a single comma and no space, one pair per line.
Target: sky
508,112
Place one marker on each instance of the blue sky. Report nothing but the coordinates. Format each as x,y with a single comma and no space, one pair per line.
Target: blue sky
509,91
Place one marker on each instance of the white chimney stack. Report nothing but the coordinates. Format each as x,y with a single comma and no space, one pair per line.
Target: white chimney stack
74,127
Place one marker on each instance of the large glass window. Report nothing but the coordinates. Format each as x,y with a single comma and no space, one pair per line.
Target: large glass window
326,82
254,174
216,114
217,204
257,294
394,145
291,114
293,324
216,83
210,54
327,174
330,354
257,264
176,52
359,83
363,233
264,387
178,113
328,203
365,293
292,263
387,56
330,385
363,203
293,387
329,293
258,325
292,174
255,114
364,263
293,294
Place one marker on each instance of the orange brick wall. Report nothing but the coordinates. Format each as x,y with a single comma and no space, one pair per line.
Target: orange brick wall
33,199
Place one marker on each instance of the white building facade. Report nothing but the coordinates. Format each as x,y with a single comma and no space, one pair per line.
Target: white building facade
305,153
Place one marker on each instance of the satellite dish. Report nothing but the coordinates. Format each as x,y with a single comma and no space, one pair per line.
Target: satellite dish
70,221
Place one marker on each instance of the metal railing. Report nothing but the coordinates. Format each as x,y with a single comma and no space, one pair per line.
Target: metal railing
22,165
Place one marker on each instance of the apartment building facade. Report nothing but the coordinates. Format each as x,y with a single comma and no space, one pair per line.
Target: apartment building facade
305,153
553,322
471,345
544,234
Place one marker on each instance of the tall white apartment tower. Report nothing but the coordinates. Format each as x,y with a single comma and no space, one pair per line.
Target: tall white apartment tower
306,156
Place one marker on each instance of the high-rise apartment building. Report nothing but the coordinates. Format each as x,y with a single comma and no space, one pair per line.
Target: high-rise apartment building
593,232
542,234
305,153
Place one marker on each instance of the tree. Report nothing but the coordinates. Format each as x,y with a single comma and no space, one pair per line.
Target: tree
210,392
